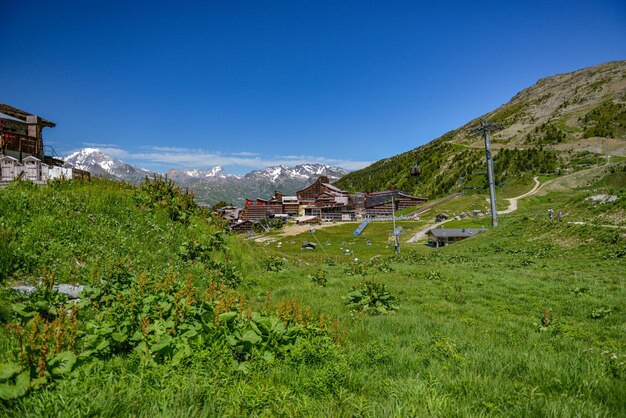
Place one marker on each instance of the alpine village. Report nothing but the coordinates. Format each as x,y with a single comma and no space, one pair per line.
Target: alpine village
480,274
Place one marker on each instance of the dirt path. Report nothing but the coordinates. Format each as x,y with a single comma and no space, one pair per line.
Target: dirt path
290,230
421,234
513,201
601,226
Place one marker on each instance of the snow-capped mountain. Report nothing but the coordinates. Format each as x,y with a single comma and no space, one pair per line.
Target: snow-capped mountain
101,165
302,172
213,184
216,172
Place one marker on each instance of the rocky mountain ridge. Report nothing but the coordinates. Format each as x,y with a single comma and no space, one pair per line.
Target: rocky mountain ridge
213,184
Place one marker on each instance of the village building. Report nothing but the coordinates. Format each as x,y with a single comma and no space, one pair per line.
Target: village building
386,202
242,226
22,149
329,203
260,208
321,185
442,217
439,237
21,133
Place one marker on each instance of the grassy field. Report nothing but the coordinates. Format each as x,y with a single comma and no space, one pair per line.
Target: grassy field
526,319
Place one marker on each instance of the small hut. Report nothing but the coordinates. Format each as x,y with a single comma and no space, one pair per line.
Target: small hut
10,168
32,168
442,217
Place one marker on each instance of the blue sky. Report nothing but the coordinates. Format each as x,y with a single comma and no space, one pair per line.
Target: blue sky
248,84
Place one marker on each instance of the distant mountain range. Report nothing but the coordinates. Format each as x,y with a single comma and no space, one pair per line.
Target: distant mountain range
213,184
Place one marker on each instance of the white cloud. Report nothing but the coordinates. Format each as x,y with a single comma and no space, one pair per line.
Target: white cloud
99,145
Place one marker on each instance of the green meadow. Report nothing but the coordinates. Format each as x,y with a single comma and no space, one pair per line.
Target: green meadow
181,318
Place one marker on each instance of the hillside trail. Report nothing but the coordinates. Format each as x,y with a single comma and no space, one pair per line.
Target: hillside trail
421,234
566,181
513,200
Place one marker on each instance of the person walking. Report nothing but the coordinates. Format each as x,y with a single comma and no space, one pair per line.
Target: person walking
550,213
559,215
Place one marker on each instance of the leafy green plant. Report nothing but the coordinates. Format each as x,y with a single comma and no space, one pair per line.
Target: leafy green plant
6,254
546,321
273,264
45,352
44,302
601,313
159,192
319,278
454,294
225,273
202,248
432,275
356,268
579,291
381,265
370,297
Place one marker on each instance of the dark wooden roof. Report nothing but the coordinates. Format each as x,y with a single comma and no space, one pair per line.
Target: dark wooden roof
455,232
21,115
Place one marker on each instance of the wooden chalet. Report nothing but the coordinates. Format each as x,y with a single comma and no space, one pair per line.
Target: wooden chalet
442,217
22,150
321,185
21,133
439,237
242,226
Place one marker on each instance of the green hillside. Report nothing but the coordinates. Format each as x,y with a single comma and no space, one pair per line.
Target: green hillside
180,318
446,167
549,128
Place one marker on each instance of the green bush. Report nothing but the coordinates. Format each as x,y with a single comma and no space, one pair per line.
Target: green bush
370,297
160,193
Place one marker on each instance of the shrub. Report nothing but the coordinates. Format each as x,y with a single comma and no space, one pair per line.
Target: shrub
161,193
319,278
370,297
273,264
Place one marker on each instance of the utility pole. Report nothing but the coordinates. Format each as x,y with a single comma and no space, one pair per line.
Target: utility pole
396,235
485,127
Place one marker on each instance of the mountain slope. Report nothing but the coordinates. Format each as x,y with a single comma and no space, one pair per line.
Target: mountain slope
101,165
571,112
262,183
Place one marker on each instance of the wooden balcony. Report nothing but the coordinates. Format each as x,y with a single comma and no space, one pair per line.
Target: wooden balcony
28,145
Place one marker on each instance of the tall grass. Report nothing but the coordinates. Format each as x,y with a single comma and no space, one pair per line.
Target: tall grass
501,324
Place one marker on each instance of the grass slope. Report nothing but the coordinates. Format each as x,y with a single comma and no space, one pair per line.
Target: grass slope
526,319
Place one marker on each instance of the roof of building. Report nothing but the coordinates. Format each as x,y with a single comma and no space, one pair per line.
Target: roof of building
9,117
307,218
22,115
455,232
334,188
378,198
